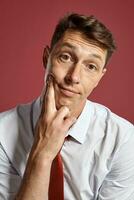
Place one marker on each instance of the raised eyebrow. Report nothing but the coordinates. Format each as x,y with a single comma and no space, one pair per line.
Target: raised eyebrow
66,44
96,56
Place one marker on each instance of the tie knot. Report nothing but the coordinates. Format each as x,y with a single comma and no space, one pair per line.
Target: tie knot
67,137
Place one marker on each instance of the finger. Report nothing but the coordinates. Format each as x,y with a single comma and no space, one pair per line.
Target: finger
44,91
62,113
49,98
43,101
68,122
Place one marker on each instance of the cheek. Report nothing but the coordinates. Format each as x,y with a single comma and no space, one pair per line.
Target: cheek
89,83
58,71
58,74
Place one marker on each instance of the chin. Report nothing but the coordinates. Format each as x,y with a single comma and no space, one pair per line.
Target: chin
61,103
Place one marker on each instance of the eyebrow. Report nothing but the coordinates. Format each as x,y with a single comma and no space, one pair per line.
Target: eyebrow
66,44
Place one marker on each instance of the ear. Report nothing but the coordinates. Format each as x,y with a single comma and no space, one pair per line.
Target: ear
102,74
46,53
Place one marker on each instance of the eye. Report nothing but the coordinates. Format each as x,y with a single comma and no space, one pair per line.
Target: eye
92,67
65,57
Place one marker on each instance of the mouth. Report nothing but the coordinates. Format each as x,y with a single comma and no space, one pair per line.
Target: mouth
68,92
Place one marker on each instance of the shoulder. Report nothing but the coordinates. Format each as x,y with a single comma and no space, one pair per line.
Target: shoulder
112,125
10,119
16,123
111,133
16,134
105,114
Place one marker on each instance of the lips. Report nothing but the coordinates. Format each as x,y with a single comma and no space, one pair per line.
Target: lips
67,91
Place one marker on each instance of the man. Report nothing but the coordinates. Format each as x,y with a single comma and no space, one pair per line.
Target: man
96,146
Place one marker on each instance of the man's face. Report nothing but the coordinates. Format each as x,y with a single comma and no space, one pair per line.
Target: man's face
77,66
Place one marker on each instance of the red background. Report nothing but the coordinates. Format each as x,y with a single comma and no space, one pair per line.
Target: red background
27,26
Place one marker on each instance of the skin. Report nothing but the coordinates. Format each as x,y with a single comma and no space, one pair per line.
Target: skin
74,68
77,66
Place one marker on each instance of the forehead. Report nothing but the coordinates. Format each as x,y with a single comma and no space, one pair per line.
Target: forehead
79,43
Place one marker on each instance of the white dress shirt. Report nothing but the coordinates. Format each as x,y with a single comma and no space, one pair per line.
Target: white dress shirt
98,159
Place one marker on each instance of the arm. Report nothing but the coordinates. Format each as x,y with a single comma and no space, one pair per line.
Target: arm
49,137
9,177
119,183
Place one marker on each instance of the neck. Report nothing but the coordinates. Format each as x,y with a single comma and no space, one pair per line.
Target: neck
75,110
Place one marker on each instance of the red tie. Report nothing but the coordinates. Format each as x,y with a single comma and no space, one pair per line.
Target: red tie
56,186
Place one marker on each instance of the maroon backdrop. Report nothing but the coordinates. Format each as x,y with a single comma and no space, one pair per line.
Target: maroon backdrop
27,26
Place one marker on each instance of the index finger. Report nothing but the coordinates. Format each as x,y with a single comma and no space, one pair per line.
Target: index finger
49,105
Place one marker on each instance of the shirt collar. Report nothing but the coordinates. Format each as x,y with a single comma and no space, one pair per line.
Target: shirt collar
79,130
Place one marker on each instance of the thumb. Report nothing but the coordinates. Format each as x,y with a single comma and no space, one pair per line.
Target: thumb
68,122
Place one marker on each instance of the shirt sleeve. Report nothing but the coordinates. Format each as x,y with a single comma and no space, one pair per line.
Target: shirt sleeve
9,178
119,183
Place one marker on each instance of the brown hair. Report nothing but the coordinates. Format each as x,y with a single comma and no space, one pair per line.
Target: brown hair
90,27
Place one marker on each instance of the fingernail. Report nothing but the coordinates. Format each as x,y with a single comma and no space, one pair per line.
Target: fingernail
49,78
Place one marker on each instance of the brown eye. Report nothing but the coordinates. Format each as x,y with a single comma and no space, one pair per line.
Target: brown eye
65,57
92,67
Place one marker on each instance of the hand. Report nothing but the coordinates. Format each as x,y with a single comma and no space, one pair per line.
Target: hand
50,133
52,125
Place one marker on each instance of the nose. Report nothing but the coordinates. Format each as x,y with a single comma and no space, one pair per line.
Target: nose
74,74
